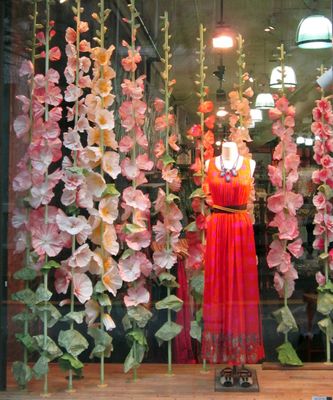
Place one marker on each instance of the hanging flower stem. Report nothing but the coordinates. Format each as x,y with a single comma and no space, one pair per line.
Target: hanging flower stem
46,117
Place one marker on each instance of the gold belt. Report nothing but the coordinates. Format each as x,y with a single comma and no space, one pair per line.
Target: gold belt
230,209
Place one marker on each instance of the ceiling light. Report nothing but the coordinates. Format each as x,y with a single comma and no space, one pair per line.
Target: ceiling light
314,32
62,1
221,112
300,140
256,115
308,142
276,78
325,81
264,101
223,37
218,143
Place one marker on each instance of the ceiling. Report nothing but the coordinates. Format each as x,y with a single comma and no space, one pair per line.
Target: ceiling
249,18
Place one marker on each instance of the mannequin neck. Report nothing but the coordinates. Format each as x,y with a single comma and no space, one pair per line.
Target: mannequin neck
229,151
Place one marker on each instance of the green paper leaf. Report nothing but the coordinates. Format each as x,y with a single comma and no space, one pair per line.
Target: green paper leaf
134,357
67,362
285,319
140,315
328,192
167,332
127,253
198,193
26,296
73,342
198,315
42,294
167,159
103,343
171,302
195,331
51,351
191,227
170,198
23,316
99,287
287,355
126,323
27,341
323,256
133,228
104,300
168,280
50,265
53,315
111,190
41,367
197,284
326,326
76,316
328,287
22,373
25,274
325,303
138,336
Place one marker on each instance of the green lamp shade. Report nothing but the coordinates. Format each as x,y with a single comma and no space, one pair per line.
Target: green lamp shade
314,32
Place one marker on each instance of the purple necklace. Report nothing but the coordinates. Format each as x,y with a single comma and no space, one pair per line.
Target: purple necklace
228,173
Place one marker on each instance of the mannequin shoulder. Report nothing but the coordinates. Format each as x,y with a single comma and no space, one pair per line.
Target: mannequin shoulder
252,166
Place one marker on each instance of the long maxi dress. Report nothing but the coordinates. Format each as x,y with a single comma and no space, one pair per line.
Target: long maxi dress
232,327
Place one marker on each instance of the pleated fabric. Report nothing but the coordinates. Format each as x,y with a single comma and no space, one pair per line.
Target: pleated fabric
232,327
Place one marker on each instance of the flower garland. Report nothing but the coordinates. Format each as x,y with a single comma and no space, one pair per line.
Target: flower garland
284,203
134,266
168,227
195,231
75,226
322,128
241,120
23,128
102,161
35,176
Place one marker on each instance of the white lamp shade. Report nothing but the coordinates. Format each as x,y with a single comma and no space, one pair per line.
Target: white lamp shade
314,32
276,78
256,115
264,101
221,112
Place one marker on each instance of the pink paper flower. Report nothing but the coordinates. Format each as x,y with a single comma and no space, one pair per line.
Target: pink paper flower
110,164
111,277
136,296
136,199
46,239
92,310
105,119
164,259
138,241
83,288
108,209
296,248
320,278
81,257
63,278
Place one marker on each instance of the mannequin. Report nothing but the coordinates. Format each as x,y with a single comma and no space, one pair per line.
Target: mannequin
232,328
229,155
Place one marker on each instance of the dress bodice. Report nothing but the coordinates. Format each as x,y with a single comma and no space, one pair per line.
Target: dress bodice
233,193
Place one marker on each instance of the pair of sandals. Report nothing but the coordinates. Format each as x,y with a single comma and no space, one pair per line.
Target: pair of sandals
228,375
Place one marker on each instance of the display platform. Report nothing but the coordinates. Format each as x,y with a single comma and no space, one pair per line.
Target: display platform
187,383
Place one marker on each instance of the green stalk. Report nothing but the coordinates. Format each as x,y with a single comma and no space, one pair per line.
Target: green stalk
202,124
76,118
167,129
101,145
240,74
28,244
46,116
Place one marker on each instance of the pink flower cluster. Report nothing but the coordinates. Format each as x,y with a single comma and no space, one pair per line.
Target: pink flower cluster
322,128
133,230
38,125
204,141
284,203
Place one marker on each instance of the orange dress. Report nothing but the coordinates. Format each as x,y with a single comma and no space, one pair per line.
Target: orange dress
232,327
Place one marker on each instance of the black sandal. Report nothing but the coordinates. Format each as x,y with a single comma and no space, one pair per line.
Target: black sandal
245,378
226,377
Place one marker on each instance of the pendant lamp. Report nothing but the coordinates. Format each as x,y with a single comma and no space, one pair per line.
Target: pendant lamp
223,37
314,32
264,101
256,115
276,77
